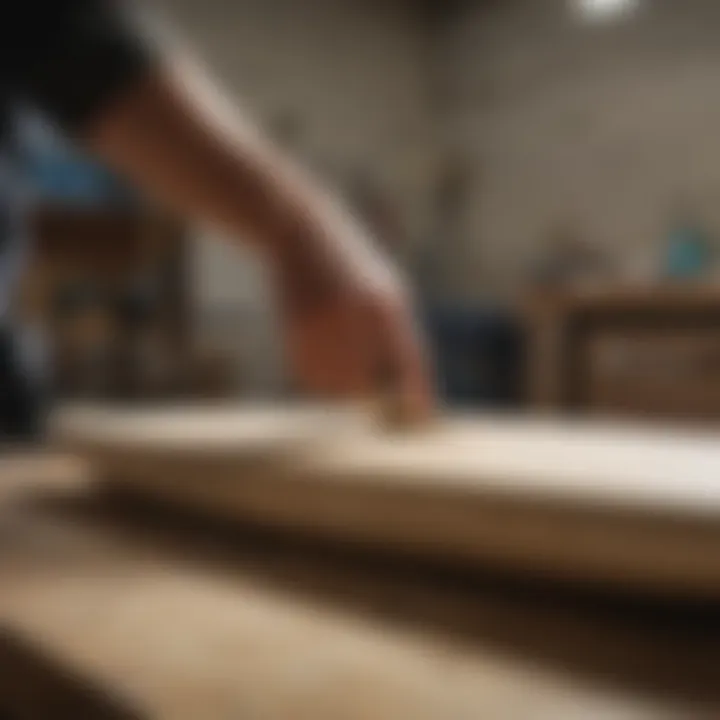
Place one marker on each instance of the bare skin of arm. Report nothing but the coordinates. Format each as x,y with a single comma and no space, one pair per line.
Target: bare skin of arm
346,311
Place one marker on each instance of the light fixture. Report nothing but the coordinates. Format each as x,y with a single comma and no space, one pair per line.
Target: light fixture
604,10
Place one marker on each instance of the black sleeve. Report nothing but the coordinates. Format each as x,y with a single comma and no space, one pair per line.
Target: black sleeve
71,58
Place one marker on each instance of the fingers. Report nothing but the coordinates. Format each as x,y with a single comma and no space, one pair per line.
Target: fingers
365,349
404,366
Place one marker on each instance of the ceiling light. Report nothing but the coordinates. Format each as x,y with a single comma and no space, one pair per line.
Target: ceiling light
603,10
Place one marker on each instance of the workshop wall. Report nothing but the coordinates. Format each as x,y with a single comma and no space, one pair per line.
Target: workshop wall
605,129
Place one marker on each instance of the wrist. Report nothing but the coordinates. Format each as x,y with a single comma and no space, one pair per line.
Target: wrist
307,277
319,256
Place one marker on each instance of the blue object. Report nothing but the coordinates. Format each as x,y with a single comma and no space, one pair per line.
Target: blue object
57,171
688,254
75,180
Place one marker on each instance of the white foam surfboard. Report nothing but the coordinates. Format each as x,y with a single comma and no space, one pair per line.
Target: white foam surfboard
581,501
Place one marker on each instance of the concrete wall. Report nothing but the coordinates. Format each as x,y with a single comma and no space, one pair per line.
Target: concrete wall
353,73
606,127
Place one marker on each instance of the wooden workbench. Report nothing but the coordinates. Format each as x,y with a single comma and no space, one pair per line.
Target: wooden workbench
650,352
110,616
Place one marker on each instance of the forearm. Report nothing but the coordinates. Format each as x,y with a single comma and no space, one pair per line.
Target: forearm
174,136
146,110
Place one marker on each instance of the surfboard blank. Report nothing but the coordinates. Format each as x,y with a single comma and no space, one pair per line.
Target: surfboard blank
637,508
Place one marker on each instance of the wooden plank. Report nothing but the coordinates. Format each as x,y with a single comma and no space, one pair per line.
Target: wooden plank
125,629
638,508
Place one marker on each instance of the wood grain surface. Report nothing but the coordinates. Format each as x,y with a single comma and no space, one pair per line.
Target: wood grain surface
110,617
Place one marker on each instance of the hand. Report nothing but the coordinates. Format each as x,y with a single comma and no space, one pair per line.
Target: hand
351,341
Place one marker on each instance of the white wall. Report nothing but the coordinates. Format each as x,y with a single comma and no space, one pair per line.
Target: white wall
602,127
353,71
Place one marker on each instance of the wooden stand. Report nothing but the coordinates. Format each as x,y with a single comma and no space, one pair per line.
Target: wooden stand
110,347
644,352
